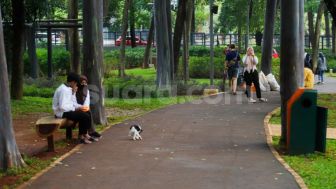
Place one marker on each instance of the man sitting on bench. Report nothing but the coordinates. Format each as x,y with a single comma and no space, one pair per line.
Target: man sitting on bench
64,107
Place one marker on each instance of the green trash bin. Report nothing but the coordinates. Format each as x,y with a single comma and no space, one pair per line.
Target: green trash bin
301,122
306,123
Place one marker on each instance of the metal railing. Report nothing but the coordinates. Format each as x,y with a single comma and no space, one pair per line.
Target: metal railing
197,39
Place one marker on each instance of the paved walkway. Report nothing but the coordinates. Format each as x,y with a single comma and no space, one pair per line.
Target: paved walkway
329,85
196,146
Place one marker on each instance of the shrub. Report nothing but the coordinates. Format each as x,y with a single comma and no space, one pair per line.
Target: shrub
202,51
199,67
60,61
32,90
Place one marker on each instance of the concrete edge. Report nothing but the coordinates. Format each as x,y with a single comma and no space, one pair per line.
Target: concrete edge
267,128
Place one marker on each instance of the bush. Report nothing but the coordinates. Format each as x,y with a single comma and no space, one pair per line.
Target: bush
32,90
199,67
202,51
60,61
134,58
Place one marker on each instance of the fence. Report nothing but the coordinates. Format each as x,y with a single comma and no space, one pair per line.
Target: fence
59,37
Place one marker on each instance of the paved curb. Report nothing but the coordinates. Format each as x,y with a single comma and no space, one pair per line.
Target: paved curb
267,128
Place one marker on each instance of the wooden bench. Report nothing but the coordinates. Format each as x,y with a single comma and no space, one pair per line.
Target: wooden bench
47,126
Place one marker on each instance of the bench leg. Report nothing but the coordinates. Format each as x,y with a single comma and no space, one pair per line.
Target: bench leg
51,145
68,133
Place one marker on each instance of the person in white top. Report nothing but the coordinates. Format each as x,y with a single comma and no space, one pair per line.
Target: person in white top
251,75
65,107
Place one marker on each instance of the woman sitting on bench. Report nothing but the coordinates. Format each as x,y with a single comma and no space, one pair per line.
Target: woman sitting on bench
83,99
64,107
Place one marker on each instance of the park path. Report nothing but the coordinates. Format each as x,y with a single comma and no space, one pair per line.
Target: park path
214,143
329,85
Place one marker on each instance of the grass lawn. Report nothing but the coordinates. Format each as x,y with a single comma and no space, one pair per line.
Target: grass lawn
325,100
317,170
31,105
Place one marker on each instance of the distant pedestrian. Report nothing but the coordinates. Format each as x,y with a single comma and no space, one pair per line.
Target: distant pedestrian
251,75
321,67
232,64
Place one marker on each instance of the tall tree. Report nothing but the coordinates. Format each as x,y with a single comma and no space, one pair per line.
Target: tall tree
150,37
291,56
132,23
122,61
164,53
93,56
74,37
178,32
327,27
9,152
186,38
18,48
266,60
317,32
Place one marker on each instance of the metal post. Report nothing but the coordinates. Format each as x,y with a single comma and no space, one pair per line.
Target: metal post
49,53
211,46
247,25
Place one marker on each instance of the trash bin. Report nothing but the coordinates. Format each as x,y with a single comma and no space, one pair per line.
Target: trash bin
301,122
306,123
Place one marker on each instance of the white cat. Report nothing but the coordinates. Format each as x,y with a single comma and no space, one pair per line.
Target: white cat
135,131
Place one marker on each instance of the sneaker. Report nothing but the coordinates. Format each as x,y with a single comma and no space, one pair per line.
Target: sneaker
262,99
95,135
251,100
90,138
84,140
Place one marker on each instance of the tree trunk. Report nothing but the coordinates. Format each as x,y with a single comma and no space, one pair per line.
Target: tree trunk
9,152
18,48
333,37
164,44
132,23
315,44
74,38
93,56
331,6
327,27
291,60
31,44
123,40
240,36
150,37
249,11
193,24
178,32
186,37
266,60
311,27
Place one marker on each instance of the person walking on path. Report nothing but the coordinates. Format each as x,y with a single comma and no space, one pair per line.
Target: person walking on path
83,100
321,68
251,75
232,64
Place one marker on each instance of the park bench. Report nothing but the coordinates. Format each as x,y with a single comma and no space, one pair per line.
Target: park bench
47,126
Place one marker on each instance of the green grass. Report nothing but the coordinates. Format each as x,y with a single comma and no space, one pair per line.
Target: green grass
147,74
31,105
325,100
317,170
